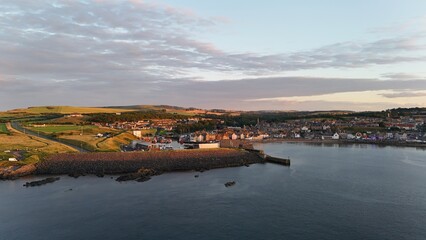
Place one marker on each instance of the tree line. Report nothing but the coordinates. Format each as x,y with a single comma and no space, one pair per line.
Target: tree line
132,116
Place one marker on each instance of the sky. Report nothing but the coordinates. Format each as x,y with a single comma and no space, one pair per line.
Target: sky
356,55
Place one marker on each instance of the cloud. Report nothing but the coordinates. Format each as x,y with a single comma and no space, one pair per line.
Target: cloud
405,94
400,76
124,38
366,96
352,100
121,52
274,93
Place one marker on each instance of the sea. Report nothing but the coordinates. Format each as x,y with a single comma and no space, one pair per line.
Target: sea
330,191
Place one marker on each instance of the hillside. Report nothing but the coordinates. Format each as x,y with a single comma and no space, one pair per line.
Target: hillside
66,110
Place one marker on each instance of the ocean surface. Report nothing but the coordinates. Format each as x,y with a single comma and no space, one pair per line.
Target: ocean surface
329,192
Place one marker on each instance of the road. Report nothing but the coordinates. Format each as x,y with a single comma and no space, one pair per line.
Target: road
19,128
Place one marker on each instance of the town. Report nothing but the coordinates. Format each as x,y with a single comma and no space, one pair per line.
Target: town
390,129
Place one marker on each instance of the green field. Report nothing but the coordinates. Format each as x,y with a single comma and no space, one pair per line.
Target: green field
3,128
62,128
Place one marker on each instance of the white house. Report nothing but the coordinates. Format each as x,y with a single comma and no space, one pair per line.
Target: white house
137,133
335,136
13,160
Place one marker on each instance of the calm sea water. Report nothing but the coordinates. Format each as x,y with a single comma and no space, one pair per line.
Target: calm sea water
329,192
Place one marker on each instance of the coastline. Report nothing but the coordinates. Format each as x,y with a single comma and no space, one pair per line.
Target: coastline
157,162
342,142
101,163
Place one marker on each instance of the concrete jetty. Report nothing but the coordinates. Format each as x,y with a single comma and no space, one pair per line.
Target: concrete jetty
267,158
281,161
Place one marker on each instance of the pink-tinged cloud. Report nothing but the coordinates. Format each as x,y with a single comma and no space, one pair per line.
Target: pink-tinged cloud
131,52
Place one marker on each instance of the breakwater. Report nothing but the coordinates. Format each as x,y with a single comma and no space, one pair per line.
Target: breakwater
281,161
129,162
267,158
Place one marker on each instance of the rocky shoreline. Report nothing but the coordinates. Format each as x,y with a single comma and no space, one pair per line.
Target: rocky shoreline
15,172
139,166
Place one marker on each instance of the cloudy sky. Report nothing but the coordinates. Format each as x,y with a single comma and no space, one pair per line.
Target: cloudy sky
250,55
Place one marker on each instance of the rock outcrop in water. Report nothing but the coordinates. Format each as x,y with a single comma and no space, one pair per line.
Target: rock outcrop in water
230,184
141,175
41,182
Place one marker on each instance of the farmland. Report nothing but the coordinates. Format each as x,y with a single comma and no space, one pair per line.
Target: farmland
3,129
86,136
34,148
62,128
93,143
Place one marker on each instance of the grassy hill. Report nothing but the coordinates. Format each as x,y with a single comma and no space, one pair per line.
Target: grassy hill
66,110
109,109
175,109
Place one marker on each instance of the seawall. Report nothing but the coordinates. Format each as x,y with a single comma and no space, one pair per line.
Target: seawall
128,162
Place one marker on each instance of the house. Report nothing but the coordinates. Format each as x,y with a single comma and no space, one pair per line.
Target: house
309,136
335,136
234,136
13,160
327,137
200,138
304,129
343,135
210,137
401,137
137,133
358,135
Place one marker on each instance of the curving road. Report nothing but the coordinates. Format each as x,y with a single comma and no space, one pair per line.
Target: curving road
19,128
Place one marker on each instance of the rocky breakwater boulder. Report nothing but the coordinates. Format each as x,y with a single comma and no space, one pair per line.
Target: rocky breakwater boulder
141,175
41,182
14,172
230,184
